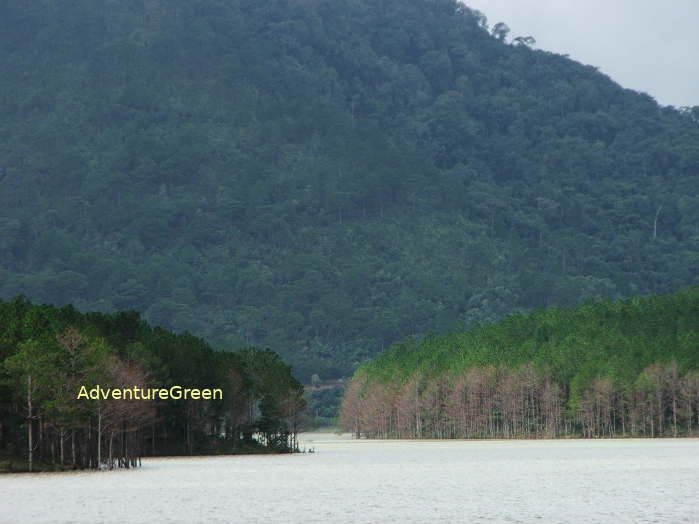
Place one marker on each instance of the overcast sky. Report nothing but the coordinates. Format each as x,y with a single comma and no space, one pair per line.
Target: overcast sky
646,45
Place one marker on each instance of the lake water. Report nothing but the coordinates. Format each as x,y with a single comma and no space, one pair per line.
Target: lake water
360,481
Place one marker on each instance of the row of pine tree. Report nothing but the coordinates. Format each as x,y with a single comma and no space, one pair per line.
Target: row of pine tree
48,354
609,369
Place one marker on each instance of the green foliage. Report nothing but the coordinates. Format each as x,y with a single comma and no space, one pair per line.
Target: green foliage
47,354
605,369
323,405
598,339
326,177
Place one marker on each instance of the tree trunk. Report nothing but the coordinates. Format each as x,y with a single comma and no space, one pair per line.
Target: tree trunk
655,222
99,438
29,422
111,442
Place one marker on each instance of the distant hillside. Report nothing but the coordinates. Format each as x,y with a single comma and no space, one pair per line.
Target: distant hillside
607,369
326,177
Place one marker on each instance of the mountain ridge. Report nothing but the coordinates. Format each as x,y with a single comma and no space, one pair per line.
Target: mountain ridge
327,177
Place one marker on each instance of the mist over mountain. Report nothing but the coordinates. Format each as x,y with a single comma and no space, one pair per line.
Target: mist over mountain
325,177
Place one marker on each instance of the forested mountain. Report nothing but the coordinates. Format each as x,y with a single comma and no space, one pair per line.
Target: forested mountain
606,369
325,177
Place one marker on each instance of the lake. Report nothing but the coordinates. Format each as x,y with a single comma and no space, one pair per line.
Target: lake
345,480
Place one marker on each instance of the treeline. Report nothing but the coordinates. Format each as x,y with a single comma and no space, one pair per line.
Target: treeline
323,406
326,177
606,369
48,354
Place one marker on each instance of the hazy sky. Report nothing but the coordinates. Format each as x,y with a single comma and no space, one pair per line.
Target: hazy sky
646,45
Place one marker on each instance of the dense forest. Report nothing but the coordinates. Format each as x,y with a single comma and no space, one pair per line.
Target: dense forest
47,354
603,369
326,177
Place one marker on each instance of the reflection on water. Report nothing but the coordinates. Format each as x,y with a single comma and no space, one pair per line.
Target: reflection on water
346,480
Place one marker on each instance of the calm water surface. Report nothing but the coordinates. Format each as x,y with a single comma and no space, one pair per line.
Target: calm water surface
345,481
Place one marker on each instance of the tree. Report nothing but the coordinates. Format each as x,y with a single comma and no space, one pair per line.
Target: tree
500,31
597,370
527,41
